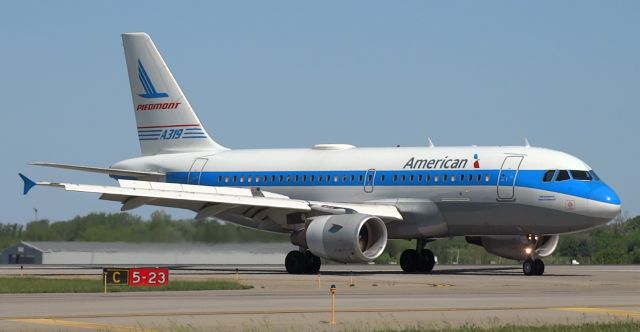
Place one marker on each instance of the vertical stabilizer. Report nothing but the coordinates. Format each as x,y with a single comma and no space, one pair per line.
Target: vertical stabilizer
166,122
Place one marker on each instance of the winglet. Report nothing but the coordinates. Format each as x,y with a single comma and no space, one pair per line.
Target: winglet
28,183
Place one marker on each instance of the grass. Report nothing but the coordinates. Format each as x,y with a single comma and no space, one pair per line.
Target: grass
617,326
69,285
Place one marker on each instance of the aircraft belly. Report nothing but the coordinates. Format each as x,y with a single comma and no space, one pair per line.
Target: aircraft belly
508,218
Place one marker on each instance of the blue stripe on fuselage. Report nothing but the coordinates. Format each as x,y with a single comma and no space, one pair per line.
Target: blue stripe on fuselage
426,178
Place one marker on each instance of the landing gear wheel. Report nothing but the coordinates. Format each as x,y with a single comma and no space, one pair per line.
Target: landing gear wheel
528,267
428,261
532,267
296,262
539,267
313,263
410,261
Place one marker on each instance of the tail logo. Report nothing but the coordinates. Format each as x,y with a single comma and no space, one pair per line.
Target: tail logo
149,89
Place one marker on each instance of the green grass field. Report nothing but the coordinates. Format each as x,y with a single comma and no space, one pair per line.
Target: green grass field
69,285
617,326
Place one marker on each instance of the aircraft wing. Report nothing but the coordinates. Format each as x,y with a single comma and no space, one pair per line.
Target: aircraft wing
248,207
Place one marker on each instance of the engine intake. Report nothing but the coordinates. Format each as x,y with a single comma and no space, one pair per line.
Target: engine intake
345,238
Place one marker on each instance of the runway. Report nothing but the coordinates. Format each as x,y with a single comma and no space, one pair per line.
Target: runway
368,296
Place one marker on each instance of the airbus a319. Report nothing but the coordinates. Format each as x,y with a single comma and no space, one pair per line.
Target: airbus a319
344,203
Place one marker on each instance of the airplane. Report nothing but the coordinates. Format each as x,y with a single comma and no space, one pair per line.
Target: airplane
343,203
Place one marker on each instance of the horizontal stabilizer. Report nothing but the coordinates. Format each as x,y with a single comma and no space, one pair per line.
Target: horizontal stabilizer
103,170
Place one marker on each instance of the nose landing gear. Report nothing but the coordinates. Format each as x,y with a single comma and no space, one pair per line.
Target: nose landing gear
418,260
532,266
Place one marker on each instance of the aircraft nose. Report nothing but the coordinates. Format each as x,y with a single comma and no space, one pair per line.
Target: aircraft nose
604,203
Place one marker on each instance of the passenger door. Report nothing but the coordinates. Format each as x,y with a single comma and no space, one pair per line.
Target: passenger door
507,177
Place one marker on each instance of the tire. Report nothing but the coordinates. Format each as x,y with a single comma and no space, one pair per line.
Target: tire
528,267
313,263
539,267
428,261
410,261
295,262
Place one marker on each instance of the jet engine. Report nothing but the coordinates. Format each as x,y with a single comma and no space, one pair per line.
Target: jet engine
345,238
516,247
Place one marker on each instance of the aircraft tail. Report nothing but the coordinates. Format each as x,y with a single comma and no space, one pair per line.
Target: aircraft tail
166,122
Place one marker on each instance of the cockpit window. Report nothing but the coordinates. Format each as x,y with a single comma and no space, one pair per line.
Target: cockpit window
594,175
562,176
581,175
548,175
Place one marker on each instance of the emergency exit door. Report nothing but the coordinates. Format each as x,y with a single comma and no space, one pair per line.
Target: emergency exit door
507,177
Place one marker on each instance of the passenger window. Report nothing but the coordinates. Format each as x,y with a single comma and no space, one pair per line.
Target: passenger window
479,177
462,177
273,178
235,179
453,178
562,176
328,178
411,178
487,178
435,178
296,178
226,179
428,177
241,179
445,177
335,178
257,179
395,178
382,178
548,176
344,178
404,178
353,177
280,178
419,178
249,179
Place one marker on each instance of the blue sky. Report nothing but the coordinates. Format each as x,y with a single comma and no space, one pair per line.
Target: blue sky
293,74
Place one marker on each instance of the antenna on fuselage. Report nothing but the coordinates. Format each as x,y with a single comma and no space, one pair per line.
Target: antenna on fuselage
430,142
526,143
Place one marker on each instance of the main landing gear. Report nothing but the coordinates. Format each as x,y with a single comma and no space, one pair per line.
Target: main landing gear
418,260
532,266
302,262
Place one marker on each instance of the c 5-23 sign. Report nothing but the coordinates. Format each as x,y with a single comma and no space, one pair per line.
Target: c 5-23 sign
137,276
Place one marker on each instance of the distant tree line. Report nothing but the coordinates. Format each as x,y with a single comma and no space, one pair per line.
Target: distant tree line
615,243
124,227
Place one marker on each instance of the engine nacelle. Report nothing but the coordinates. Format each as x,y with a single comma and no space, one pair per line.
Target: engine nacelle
345,238
515,247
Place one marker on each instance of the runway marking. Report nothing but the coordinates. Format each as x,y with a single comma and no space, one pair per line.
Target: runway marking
76,324
608,311
593,309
